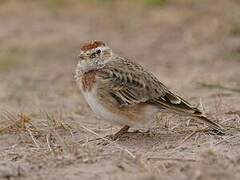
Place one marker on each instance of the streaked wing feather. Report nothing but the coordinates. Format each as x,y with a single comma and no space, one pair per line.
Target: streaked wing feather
180,106
130,84
127,84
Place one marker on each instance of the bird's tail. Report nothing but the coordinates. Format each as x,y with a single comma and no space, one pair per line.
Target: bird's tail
178,105
215,126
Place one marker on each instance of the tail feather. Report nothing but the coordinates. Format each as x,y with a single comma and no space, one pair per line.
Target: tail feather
215,126
178,105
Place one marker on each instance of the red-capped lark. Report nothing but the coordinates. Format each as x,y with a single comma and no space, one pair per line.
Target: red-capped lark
123,92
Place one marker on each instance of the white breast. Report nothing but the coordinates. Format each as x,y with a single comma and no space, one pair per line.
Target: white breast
100,110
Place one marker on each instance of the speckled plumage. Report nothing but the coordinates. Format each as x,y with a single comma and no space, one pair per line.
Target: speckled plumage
123,92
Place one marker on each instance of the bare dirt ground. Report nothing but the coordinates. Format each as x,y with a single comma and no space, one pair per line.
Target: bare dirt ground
46,128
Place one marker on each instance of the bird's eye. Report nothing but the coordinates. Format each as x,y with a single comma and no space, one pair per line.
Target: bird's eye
98,51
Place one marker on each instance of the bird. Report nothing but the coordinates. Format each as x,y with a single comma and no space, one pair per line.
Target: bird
124,93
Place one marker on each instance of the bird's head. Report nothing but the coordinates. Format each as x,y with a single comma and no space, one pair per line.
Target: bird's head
94,55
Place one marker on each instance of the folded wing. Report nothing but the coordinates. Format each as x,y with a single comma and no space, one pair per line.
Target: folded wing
130,84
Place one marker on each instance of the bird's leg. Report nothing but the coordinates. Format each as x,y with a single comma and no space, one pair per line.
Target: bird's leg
118,134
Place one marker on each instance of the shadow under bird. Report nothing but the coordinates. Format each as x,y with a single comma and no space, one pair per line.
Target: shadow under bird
124,93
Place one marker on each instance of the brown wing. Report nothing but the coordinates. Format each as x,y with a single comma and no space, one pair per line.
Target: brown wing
175,103
126,82
130,84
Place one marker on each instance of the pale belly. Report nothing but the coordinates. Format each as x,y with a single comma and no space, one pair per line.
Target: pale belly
115,116
104,112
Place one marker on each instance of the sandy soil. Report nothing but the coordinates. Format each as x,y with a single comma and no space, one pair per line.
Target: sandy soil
47,131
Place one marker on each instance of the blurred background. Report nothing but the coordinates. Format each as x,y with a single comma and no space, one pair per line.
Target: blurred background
184,42
192,46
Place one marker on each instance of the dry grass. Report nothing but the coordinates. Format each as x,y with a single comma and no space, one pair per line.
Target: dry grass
17,124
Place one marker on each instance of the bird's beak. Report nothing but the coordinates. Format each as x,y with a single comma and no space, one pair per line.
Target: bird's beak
80,57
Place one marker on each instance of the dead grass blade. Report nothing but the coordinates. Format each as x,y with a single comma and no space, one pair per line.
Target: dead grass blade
32,136
172,159
226,139
57,122
53,124
48,143
18,122
110,142
187,137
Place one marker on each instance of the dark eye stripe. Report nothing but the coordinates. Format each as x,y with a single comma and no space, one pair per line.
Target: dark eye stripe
93,55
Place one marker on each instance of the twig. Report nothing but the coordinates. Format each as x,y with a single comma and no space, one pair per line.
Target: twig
188,137
110,142
48,142
226,139
176,126
89,140
31,135
184,140
172,159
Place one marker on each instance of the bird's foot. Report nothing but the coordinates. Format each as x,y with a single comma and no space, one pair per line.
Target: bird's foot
116,136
